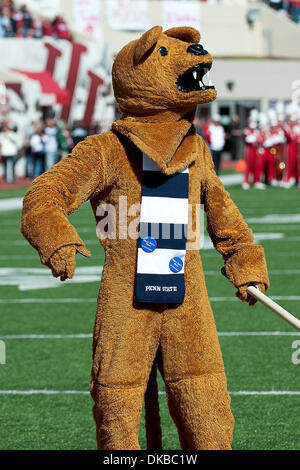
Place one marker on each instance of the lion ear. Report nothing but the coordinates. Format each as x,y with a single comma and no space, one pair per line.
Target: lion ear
184,33
146,42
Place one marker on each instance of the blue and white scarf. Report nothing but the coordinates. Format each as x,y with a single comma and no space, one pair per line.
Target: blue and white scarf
162,237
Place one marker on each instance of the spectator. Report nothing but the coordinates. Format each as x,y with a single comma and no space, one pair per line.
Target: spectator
216,135
78,133
2,30
295,11
66,131
276,4
63,139
37,27
205,131
6,24
198,123
18,22
51,144
47,28
235,136
9,146
27,20
29,166
292,9
60,29
37,143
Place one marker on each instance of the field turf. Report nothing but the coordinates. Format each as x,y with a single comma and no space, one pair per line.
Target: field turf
263,380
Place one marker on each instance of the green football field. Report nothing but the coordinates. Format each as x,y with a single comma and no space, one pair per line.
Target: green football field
46,330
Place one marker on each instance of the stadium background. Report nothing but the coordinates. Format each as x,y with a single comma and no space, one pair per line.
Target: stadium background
46,325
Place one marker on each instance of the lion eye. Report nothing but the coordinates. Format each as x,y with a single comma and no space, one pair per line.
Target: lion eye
163,51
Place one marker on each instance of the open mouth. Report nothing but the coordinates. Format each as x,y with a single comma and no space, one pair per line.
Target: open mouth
195,78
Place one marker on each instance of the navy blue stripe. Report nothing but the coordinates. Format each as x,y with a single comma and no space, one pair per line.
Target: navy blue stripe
167,236
154,288
157,184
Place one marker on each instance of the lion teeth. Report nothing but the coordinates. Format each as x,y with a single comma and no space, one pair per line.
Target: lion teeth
205,78
195,74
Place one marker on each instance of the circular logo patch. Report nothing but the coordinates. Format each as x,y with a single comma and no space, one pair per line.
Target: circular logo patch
148,244
176,264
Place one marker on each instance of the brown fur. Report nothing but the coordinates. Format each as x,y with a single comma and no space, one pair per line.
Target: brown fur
128,336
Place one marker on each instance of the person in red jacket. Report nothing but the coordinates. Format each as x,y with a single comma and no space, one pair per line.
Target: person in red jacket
272,139
252,156
266,150
292,132
293,9
47,28
279,144
60,29
205,130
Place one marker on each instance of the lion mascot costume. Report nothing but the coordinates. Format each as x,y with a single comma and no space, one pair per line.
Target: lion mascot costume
153,309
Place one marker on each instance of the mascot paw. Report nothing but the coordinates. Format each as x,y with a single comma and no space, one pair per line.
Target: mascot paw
62,262
243,295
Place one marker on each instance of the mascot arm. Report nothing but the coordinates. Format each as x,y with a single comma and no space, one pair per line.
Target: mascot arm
244,261
53,196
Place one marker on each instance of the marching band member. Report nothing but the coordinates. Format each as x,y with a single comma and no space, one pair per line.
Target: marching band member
252,157
271,139
292,133
277,150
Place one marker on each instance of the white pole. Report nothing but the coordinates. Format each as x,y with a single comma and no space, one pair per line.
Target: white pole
284,314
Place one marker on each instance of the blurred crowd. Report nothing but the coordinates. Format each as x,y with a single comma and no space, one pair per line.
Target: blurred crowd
42,144
267,150
288,8
18,22
271,145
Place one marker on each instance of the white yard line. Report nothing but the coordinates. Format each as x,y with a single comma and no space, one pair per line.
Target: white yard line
265,392
47,301
285,239
89,335
50,336
258,333
285,254
11,204
36,257
275,219
161,392
231,179
44,392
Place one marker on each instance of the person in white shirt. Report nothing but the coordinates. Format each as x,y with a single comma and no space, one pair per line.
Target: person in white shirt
9,147
216,140
37,144
51,144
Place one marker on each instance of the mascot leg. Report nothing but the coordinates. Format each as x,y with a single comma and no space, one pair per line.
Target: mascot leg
200,408
125,343
195,381
117,413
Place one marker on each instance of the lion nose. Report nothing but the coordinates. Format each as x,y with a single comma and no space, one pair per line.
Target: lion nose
196,49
